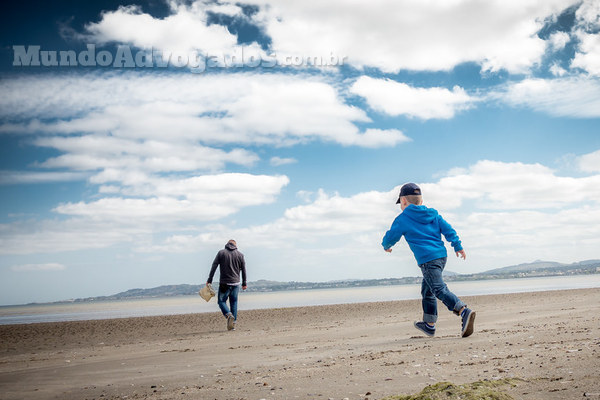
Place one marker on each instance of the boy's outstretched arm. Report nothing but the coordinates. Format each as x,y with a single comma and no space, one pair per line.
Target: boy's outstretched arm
462,254
392,236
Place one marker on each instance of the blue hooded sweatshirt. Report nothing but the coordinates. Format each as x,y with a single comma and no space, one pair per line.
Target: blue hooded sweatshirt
422,228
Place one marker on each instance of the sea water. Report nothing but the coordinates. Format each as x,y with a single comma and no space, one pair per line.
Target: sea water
55,312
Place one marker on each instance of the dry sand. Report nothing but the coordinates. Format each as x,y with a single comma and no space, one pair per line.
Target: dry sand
550,340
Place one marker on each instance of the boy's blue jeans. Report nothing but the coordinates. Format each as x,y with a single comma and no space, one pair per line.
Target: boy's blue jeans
433,288
231,293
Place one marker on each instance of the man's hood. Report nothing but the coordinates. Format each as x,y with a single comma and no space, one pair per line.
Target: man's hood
420,214
230,246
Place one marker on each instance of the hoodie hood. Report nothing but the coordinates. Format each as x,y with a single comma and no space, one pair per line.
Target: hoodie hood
420,214
231,246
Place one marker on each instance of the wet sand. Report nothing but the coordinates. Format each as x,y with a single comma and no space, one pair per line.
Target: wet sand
549,341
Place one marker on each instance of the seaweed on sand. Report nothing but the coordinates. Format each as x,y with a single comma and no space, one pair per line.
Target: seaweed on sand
480,390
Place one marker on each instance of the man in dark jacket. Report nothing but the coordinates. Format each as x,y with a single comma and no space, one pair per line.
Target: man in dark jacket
232,263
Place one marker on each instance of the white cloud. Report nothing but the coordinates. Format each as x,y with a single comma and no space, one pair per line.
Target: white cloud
156,208
185,29
394,35
558,40
338,215
100,151
515,212
236,109
305,195
577,97
327,218
587,25
388,34
201,198
504,213
38,267
567,235
143,206
184,38
19,177
557,70
225,9
588,56
588,14
374,138
56,236
396,98
589,162
278,161
511,186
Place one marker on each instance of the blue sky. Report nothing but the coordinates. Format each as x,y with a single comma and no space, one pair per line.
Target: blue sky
114,177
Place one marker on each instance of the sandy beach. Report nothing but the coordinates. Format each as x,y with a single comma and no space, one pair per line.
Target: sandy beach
548,342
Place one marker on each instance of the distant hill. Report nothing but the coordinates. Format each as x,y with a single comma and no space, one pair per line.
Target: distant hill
160,291
534,269
544,265
525,267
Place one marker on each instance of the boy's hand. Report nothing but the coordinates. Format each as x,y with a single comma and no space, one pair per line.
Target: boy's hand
462,254
388,250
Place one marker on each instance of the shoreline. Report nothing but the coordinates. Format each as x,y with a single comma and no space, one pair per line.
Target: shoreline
550,340
448,279
191,304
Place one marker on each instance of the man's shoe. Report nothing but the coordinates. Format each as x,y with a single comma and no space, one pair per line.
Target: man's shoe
426,329
230,322
468,322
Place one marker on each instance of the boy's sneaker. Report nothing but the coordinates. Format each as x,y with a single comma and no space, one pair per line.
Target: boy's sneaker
468,322
425,328
230,322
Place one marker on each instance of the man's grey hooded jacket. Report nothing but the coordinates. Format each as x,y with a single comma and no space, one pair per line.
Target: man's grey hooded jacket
232,263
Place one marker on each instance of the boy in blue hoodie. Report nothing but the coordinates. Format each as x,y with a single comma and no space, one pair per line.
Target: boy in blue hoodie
422,227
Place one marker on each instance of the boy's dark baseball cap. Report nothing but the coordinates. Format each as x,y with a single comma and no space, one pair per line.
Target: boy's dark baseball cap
409,189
